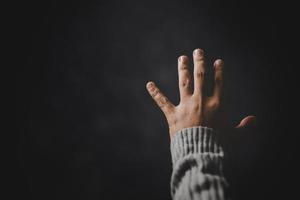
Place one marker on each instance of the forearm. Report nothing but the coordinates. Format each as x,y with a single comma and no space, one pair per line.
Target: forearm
197,165
196,153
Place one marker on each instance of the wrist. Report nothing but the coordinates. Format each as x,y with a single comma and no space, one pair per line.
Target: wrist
195,140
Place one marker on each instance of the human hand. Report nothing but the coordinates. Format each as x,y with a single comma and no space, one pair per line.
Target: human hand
194,109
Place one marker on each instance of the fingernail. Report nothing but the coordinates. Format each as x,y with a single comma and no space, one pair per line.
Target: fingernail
182,59
149,85
198,52
218,64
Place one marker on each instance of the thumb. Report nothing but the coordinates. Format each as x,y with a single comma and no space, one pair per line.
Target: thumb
247,122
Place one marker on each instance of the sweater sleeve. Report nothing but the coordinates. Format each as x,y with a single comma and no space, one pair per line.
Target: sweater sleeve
197,159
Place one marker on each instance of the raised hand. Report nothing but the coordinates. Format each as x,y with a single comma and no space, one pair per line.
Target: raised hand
194,109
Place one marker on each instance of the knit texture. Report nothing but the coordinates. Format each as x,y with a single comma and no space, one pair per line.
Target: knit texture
197,158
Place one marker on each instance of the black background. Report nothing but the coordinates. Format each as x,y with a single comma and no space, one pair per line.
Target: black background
87,127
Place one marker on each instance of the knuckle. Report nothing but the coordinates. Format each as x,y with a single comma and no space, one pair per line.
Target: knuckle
196,106
218,80
200,74
184,82
183,67
163,100
214,104
155,94
160,104
197,98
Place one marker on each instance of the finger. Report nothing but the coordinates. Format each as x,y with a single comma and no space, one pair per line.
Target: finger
184,77
161,100
247,122
199,71
218,66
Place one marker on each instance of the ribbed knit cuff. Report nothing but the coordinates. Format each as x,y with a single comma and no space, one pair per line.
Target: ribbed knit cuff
193,140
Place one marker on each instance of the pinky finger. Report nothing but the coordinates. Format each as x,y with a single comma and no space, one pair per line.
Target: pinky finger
161,100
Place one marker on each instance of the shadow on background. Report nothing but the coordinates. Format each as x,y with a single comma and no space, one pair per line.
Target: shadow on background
89,130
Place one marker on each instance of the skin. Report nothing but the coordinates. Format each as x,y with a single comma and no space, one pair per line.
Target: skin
195,108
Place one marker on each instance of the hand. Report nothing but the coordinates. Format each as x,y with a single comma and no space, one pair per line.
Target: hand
194,109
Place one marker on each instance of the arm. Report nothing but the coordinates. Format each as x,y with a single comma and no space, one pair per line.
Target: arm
197,159
197,155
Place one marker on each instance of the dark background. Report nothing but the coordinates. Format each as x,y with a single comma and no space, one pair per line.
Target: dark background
87,129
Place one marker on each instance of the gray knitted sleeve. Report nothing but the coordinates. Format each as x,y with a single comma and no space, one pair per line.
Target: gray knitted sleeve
197,159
